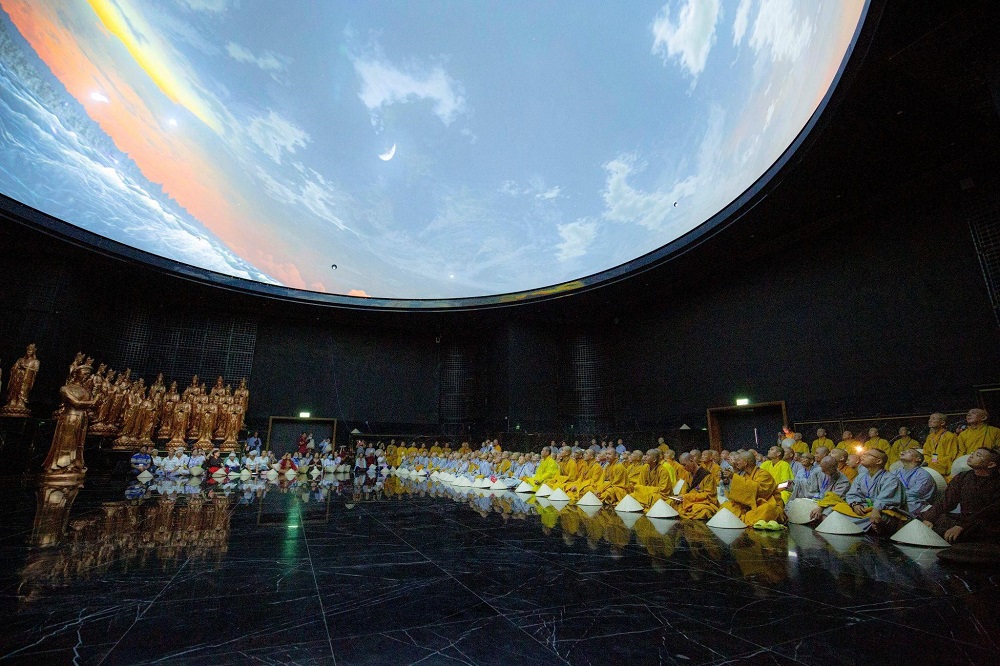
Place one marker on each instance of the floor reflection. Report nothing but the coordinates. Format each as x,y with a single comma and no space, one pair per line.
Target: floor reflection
300,570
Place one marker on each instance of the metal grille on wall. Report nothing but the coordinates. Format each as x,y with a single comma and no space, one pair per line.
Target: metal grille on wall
183,345
584,397
458,384
982,207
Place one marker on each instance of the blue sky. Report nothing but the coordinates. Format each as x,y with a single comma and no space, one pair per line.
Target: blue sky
535,143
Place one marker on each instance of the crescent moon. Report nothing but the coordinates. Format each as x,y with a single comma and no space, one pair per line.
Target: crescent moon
388,155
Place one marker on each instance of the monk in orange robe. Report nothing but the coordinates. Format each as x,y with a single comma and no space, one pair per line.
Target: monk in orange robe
699,499
658,482
753,493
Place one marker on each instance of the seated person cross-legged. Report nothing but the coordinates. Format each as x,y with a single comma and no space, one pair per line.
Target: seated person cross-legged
753,494
978,492
876,501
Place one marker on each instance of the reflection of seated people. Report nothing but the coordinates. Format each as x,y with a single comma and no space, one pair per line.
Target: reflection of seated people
978,492
141,461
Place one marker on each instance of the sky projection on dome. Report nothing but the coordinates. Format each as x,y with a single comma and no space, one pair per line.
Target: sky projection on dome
431,150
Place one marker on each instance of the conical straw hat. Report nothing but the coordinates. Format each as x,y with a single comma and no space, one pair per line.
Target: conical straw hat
144,476
630,519
628,505
960,465
196,471
838,523
525,487
543,491
290,474
483,483
662,510
798,510
590,499
271,474
679,486
915,533
558,495
543,501
244,474
727,520
498,485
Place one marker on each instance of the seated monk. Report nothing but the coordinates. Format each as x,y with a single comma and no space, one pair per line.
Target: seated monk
567,469
592,477
613,488
547,468
978,492
710,462
778,468
876,500
753,494
826,485
657,485
841,457
698,499
941,445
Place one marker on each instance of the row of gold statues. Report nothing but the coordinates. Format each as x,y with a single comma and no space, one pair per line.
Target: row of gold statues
19,383
105,405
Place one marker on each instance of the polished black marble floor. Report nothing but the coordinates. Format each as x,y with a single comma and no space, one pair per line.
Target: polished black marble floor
333,573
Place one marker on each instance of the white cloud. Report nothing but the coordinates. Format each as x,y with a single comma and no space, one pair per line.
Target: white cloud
535,187
383,84
691,38
276,135
207,6
778,31
311,191
576,238
266,61
740,22
549,194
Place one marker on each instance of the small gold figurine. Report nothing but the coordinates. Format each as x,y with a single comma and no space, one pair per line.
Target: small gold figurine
19,383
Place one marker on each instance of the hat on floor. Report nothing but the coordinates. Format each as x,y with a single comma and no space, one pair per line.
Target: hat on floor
838,523
543,491
726,520
628,505
590,499
662,510
915,533
799,510
525,487
558,495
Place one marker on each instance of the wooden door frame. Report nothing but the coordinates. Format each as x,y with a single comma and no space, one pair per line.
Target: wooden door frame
715,432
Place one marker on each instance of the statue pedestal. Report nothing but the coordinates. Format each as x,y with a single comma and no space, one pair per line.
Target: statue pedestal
10,412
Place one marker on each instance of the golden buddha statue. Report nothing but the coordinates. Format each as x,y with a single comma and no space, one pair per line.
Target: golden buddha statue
19,384
170,400
66,453
179,423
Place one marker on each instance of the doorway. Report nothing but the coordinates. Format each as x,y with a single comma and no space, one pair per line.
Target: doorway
747,426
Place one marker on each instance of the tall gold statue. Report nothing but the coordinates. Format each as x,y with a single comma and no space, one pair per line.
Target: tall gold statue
179,423
170,401
102,406
19,383
66,453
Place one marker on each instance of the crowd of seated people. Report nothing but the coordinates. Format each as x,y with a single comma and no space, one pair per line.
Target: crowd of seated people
876,484
212,462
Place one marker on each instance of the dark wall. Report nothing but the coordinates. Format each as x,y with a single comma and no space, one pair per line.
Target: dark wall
887,313
349,374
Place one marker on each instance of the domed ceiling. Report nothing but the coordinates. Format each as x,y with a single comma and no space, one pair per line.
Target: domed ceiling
405,150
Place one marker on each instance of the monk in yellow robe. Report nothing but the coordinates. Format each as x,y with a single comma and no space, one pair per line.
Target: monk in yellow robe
903,442
849,443
547,468
978,434
711,465
591,479
841,456
941,445
875,441
612,488
779,469
699,500
753,493
657,485
436,449
799,446
662,446
567,469
821,440
638,473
